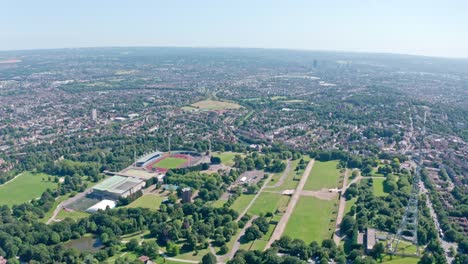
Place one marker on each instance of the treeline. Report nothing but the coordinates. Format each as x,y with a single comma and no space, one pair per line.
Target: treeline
385,213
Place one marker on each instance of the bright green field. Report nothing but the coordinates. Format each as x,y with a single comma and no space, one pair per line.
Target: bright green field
24,188
268,202
150,201
227,158
323,175
400,260
170,163
378,187
310,219
241,202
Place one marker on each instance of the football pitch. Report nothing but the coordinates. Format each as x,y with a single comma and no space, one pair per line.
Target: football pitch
170,163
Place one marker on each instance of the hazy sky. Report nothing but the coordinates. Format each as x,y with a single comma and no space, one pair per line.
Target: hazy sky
425,27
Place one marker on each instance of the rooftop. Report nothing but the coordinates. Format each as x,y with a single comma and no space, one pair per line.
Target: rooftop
117,184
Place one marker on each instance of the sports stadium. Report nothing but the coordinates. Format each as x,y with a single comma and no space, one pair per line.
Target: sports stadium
158,163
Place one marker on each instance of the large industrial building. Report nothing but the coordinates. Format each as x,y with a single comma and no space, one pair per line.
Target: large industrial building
117,186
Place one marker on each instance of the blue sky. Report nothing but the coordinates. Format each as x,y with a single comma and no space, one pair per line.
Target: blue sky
429,27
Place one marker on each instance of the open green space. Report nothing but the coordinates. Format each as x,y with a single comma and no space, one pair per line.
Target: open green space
378,186
227,158
24,188
150,201
49,214
268,202
292,179
170,163
215,105
241,202
349,204
323,175
310,219
399,260
75,215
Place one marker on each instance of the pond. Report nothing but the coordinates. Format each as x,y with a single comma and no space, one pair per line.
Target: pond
86,243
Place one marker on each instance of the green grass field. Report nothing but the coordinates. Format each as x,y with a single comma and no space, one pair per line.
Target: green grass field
349,204
268,202
323,175
24,188
75,215
149,201
241,202
215,105
227,158
170,163
378,187
310,220
399,260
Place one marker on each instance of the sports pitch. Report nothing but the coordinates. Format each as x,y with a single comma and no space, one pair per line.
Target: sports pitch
24,188
170,163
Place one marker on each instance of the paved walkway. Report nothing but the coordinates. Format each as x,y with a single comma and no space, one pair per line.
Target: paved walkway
255,198
236,245
292,203
283,177
341,208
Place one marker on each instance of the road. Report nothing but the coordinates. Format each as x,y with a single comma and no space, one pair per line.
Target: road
283,177
255,198
341,209
445,244
67,202
236,245
292,203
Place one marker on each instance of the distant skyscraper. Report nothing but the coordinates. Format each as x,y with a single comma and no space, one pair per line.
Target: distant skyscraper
186,195
94,115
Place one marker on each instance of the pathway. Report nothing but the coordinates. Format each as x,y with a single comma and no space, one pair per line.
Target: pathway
63,204
255,198
292,203
341,208
283,177
236,245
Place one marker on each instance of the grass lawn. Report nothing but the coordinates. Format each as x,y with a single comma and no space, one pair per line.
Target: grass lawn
150,201
349,204
218,203
48,215
75,215
170,163
268,202
215,105
310,219
227,158
292,179
400,260
378,187
323,175
241,202
24,188
259,245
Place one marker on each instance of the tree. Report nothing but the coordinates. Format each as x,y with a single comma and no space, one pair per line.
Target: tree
347,224
209,258
215,160
132,244
377,251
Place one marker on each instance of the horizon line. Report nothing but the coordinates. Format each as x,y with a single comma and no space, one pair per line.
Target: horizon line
238,47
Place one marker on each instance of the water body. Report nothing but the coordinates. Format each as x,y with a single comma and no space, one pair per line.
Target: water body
87,244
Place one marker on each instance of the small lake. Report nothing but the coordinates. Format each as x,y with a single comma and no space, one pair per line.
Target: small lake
87,244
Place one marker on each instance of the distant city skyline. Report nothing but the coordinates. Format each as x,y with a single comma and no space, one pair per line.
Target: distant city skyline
429,28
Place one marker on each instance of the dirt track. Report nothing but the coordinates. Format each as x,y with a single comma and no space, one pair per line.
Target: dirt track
292,203
341,209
